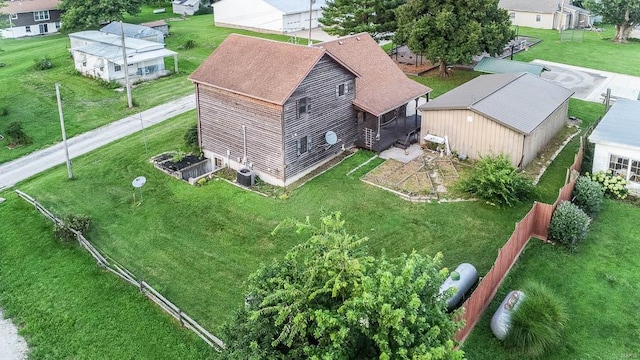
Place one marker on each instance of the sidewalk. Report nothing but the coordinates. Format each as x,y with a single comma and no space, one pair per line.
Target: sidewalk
22,168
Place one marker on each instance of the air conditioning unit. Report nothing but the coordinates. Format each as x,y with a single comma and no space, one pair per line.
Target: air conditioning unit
246,177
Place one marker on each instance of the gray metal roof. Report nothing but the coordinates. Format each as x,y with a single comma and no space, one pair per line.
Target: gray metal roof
499,66
137,45
133,31
295,6
620,126
519,101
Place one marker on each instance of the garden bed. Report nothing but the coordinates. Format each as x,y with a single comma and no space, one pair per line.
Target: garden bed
182,166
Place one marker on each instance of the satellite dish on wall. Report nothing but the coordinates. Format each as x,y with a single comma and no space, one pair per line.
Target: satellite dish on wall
331,138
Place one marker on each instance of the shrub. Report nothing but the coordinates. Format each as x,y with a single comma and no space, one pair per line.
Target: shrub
4,111
569,224
615,187
496,181
588,195
191,138
178,156
189,44
204,10
109,84
16,133
537,324
79,223
42,64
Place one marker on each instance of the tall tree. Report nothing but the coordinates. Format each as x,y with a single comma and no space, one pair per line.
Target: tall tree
453,31
329,299
625,14
83,14
345,17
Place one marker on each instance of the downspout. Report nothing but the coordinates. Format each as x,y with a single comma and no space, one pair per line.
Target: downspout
378,132
244,145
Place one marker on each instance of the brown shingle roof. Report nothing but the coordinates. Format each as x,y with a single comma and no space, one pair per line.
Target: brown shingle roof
263,69
381,85
23,6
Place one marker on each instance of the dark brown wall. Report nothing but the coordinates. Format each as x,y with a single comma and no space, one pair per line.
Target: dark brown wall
25,19
222,115
327,112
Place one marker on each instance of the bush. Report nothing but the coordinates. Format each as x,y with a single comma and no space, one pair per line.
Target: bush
615,187
79,223
4,111
204,10
191,138
42,64
588,195
189,44
569,224
496,181
537,324
16,133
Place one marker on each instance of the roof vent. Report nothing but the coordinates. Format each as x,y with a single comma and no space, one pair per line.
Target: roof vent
340,43
358,38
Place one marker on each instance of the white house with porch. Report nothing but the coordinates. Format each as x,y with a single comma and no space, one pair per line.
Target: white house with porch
99,55
617,142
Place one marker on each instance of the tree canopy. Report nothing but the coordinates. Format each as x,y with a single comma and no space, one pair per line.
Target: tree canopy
83,14
329,299
625,14
346,17
453,31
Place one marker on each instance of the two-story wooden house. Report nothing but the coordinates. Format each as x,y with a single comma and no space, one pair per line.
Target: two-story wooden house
30,17
284,109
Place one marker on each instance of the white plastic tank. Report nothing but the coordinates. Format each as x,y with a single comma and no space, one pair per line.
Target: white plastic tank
461,280
501,320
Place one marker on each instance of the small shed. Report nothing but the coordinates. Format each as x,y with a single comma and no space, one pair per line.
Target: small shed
617,142
492,65
159,25
185,7
514,114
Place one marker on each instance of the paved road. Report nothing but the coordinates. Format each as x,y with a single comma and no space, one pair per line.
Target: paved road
39,161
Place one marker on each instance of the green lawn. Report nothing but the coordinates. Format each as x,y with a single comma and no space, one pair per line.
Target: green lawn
600,284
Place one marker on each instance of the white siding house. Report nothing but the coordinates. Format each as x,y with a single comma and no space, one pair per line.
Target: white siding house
99,55
30,18
617,142
274,16
185,7
546,14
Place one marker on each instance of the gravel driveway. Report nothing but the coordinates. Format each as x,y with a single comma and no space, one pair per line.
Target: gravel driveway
12,345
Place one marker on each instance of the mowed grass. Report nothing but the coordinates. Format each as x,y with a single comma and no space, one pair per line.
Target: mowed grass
29,94
68,308
198,244
595,50
600,284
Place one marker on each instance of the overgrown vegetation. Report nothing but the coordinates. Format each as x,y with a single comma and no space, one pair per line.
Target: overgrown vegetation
615,187
42,63
191,138
16,134
588,195
569,225
497,182
80,223
537,325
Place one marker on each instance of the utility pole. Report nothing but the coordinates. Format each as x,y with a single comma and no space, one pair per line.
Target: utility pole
126,66
64,133
561,17
310,12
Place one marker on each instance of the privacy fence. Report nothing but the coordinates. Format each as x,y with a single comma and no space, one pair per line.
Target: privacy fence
110,265
534,224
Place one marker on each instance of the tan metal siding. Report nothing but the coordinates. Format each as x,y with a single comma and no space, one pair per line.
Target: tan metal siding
327,112
545,132
222,115
479,137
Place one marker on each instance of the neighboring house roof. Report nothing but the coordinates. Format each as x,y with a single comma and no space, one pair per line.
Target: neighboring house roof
263,69
155,23
501,66
185,2
538,6
137,45
295,6
620,126
24,6
131,30
381,86
520,102
107,46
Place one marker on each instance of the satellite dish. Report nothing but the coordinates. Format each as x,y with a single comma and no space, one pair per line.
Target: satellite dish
331,138
139,181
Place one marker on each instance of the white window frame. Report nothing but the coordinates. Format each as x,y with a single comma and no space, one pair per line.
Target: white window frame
117,67
41,15
345,89
14,16
512,15
27,28
538,17
619,165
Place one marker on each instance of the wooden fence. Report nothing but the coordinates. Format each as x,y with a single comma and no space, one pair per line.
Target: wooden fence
110,265
534,224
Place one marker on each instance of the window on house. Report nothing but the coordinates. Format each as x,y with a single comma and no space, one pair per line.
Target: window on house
27,28
44,28
14,16
537,18
512,15
619,165
302,106
342,89
41,15
84,63
117,67
634,175
304,145
58,25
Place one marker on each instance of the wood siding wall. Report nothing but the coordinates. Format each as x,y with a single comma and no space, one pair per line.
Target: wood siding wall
479,137
327,112
28,19
222,114
544,133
